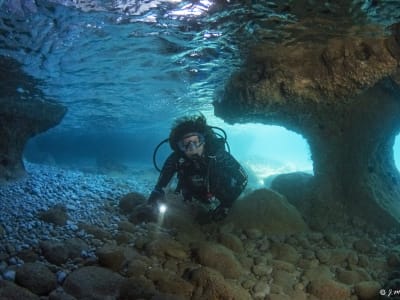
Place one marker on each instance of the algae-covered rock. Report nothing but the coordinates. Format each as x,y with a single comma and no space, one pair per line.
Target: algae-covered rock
267,211
9,290
329,289
219,258
43,281
210,284
93,283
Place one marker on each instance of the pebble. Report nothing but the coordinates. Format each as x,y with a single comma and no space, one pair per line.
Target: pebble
61,275
261,270
9,275
84,196
261,290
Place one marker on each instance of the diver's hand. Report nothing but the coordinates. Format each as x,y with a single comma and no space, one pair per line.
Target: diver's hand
155,197
219,213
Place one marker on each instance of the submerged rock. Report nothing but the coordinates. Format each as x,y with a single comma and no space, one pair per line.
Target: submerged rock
210,284
59,252
297,187
367,289
342,95
130,202
137,288
114,257
219,258
267,211
37,278
24,112
56,215
329,289
93,283
9,290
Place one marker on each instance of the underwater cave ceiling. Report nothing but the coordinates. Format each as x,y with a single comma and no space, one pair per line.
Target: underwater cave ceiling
343,96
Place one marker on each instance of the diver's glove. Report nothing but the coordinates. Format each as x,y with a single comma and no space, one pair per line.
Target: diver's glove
156,196
219,213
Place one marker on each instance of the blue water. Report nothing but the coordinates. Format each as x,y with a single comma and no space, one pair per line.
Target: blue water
125,69
117,68
396,151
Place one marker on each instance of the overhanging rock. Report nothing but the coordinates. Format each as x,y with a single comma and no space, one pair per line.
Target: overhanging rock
344,98
23,114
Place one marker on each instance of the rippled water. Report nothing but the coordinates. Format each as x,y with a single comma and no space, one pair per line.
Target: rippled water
115,66
128,64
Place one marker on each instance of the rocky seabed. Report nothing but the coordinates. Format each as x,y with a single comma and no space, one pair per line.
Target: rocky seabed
69,235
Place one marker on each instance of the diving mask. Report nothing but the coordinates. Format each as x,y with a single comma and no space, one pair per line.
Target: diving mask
191,142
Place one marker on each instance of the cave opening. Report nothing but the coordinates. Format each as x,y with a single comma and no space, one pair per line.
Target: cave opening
268,150
396,151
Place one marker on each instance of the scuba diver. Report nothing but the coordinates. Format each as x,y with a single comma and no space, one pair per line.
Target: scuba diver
206,171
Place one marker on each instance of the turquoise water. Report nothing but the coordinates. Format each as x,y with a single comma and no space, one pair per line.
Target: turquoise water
269,150
396,151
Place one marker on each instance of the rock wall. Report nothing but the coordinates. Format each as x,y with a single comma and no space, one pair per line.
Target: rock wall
23,114
344,98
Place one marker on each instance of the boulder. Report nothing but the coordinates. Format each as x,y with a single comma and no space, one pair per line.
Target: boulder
348,277
59,252
210,284
296,187
37,278
56,215
176,286
285,252
93,283
231,241
129,202
366,290
267,211
219,258
328,289
166,246
98,232
137,288
11,291
114,257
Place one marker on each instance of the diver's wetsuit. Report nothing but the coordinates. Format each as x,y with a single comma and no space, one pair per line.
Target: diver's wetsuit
217,173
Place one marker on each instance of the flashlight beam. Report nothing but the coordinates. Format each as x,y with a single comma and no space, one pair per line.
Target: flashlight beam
162,208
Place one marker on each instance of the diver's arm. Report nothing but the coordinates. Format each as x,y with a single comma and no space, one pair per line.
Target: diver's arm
168,170
232,178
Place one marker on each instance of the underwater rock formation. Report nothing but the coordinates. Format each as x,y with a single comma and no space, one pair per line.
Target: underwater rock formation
268,211
344,98
23,114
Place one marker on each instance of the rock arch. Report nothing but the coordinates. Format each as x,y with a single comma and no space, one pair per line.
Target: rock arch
344,98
